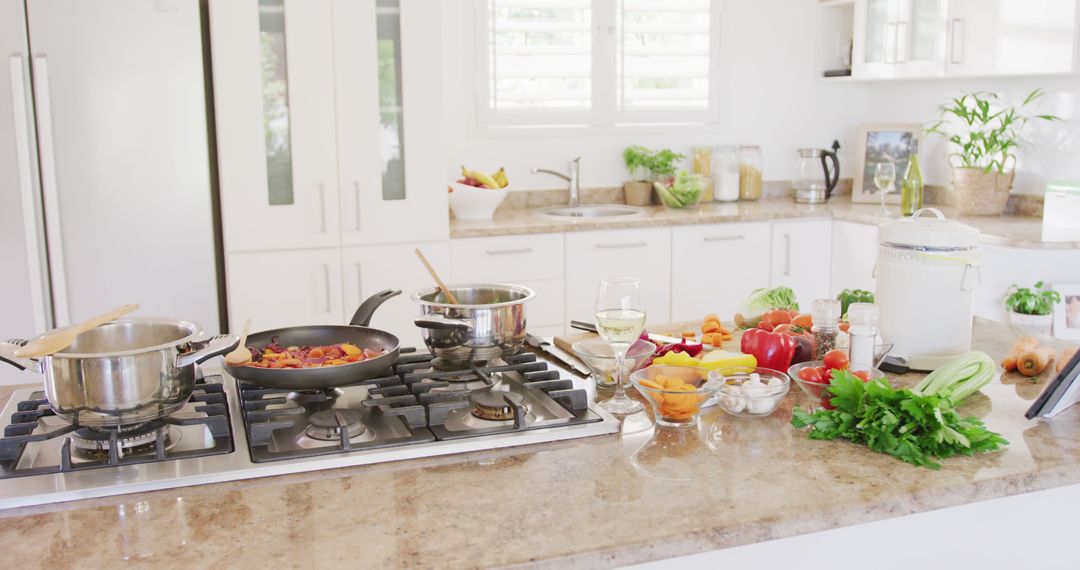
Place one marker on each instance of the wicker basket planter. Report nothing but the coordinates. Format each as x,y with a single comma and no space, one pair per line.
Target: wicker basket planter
981,193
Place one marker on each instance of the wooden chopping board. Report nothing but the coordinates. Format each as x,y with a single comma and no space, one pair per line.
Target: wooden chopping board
566,341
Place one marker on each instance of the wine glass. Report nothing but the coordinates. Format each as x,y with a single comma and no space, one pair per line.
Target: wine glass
620,318
884,179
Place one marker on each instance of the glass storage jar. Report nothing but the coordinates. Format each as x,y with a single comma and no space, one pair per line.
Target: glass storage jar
725,174
750,163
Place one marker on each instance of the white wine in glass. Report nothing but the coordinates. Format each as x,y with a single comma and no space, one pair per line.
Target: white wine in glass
620,318
884,179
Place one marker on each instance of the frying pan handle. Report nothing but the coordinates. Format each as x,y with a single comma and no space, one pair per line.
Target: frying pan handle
439,322
362,316
206,349
7,354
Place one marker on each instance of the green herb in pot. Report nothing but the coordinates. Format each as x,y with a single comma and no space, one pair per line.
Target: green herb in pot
1039,301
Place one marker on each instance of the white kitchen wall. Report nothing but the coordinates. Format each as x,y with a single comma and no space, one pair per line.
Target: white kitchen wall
1052,154
769,96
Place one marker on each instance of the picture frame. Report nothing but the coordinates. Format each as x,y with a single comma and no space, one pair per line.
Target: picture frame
878,140
1067,312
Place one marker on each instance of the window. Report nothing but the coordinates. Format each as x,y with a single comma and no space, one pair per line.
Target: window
596,62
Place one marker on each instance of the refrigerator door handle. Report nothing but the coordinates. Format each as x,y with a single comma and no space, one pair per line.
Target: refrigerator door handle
47,158
27,192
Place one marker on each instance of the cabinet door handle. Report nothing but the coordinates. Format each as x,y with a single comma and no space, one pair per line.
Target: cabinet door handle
621,245
787,255
326,287
26,189
509,251
359,281
901,42
356,191
50,194
322,208
735,237
956,54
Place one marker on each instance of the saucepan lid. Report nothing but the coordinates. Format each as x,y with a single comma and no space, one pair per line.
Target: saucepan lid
930,232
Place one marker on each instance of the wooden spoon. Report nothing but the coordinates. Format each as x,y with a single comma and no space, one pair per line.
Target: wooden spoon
59,340
240,355
442,286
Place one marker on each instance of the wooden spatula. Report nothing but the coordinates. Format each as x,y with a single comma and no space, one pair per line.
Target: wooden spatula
240,355
60,340
442,286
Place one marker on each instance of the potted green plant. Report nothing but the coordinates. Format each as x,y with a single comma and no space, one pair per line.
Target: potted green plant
985,133
645,167
1032,309
638,189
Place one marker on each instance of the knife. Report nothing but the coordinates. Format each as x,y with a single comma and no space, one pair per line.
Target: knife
557,353
660,338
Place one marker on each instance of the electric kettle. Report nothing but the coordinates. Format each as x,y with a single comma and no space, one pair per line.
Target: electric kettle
815,184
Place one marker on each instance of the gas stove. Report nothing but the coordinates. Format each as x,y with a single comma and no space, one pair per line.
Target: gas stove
233,430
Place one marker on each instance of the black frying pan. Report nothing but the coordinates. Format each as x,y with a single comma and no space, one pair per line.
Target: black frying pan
356,332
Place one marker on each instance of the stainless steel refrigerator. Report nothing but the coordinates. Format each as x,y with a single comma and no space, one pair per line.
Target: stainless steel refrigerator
105,181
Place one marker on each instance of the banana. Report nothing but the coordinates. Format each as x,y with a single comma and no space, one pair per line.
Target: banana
479,177
500,178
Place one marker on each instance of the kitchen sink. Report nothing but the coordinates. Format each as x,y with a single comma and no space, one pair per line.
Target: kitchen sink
591,211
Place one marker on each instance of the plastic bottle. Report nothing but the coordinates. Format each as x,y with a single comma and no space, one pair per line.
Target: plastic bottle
864,331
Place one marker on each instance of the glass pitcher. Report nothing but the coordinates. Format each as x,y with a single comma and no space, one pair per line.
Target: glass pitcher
815,182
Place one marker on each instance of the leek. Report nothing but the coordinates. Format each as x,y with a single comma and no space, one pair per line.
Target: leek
959,378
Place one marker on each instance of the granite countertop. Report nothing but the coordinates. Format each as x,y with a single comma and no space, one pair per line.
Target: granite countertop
597,502
1005,230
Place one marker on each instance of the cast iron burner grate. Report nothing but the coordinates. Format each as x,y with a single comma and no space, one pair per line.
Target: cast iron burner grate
27,429
414,403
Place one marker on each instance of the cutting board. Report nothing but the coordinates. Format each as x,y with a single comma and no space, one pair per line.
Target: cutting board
566,341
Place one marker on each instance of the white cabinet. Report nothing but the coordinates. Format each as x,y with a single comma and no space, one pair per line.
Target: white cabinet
285,288
534,261
801,252
899,38
854,254
641,253
368,270
714,267
1011,37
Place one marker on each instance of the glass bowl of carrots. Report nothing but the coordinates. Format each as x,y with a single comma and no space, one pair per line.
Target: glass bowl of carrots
677,393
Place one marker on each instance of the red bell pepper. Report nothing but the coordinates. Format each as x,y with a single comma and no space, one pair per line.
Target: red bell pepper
772,350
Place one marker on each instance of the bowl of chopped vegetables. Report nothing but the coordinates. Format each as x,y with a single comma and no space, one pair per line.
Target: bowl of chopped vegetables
815,376
751,392
684,190
675,392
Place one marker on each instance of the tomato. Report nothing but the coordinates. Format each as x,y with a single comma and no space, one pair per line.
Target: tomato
836,359
777,317
844,326
825,373
811,374
790,329
765,326
862,375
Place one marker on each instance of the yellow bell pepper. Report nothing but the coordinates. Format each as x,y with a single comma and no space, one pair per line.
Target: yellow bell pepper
676,359
726,360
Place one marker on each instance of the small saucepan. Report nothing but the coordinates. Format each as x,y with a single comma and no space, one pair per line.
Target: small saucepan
356,333
487,323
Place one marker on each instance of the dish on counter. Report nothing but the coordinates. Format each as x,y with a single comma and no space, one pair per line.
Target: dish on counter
677,393
814,379
751,392
274,355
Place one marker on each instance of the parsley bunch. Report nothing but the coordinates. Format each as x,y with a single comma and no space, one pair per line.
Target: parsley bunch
915,428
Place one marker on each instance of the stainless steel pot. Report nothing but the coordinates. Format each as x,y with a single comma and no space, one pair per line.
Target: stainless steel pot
488,323
125,372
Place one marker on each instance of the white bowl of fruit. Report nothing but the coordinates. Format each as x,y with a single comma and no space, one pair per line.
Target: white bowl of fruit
476,195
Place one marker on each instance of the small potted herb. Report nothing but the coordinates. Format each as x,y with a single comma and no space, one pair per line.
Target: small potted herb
645,167
985,135
1032,309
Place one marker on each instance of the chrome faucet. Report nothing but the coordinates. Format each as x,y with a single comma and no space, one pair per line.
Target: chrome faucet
572,179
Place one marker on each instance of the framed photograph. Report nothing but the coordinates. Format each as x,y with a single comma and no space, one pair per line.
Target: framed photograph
1067,312
877,144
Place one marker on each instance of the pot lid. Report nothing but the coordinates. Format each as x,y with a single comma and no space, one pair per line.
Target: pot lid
935,232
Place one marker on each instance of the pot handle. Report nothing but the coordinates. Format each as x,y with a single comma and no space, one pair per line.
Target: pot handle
7,354
198,351
363,314
439,322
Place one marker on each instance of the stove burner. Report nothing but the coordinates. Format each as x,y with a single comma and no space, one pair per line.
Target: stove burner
95,442
489,405
326,425
459,359
306,398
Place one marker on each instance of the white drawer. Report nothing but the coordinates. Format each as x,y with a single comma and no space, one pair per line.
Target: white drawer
504,259
547,307
714,267
641,253
551,331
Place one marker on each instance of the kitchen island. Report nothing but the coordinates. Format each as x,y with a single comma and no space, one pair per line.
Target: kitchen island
594,502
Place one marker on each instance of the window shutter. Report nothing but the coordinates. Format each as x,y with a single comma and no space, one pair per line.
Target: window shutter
663,55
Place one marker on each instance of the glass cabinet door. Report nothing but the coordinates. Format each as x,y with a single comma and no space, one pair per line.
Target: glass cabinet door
391,156
274,95
920,37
